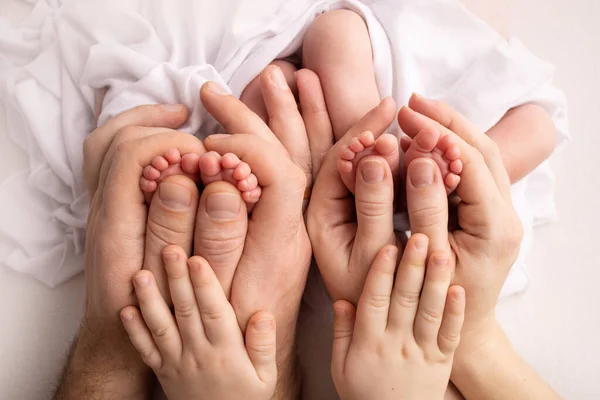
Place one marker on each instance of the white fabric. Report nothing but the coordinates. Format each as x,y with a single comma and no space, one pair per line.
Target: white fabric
162,51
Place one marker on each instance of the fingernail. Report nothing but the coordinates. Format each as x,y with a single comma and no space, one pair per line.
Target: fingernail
372,171
215,89
421,244
127,316
340,312
278,79
421,173
174,196
222,206
172,107
458,295
264,325
440,261
391,252
141,280
170,256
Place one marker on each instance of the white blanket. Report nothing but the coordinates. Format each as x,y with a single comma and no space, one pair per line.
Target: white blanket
162,51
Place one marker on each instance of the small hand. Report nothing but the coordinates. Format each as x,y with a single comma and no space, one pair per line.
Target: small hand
400,341
200,352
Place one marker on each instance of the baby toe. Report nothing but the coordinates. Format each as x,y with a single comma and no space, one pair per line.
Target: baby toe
248,184
151,173
356,145
190,163
173,156
366,139
242,171
456,167
451,180
230,161
160,163
148,186
253,196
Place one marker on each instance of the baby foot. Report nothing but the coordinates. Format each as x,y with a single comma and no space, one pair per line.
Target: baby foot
441,149
365,145
229,168
171,163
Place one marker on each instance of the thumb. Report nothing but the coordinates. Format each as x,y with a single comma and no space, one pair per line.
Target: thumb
343,329
261,346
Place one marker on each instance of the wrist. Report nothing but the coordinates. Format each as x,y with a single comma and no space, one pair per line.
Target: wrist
103,363
479,347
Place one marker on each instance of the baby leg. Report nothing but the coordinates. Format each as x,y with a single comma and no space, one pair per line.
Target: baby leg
364,145
252,94
441,149
338,49
229,168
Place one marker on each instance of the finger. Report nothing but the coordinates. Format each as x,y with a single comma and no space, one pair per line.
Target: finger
171,221
343,328
232,114
284,118
157,316
221,228
217,315
315,115
469,132
427,203
374,199
184,300
121,206
494,182
97,143
283,183
374,304
433,299
140,337
261,345
408,285
454,316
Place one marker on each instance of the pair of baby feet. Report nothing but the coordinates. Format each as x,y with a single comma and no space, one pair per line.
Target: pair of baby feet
428,143
211,166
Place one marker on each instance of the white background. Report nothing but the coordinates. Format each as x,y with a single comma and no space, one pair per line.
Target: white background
555,325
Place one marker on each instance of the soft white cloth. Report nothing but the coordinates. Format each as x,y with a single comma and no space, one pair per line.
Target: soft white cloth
162,51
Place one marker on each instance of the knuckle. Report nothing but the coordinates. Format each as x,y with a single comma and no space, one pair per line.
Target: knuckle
373,208
378,301
220,246
430,315
184,310
452,338
160,332
407,299
428,216
212,314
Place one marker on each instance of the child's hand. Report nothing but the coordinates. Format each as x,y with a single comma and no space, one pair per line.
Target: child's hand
200,353
400,341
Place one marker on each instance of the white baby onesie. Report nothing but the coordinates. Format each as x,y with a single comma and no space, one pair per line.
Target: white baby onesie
162,51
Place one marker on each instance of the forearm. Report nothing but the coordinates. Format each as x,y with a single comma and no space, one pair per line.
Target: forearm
526,137
98,370
495,371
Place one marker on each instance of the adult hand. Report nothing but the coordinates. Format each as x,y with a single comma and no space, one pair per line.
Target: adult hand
484,247
270,273
487,242
103,362
348,231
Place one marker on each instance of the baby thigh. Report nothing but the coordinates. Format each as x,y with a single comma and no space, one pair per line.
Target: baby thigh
337,47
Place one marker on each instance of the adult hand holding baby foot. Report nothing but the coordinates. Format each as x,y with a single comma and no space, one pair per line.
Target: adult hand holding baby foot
482,249
357,227
103,360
